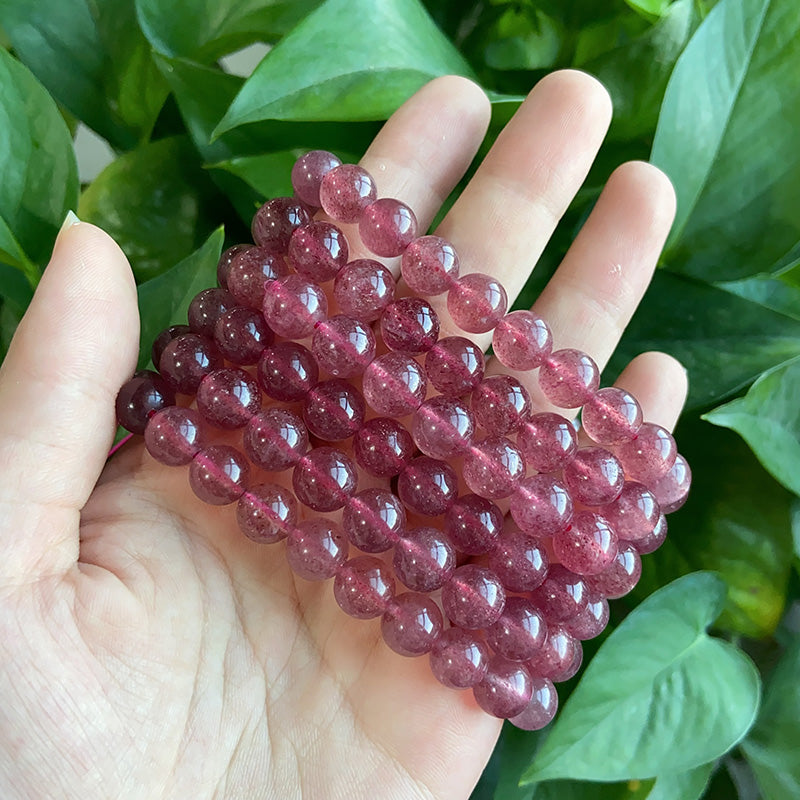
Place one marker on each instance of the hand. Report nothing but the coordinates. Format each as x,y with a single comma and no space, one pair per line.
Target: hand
148,649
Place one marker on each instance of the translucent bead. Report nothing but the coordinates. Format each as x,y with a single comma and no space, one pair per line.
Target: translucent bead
557,655
653,540
588,546
649,455
265,513
276,220
324,479
343,346
519,562
424,560
521,631
218,474
548,441
315,549
493,467
429,265
206,308
294,305
459,659
505,690
572,668
428,486
346,191
443,427
141,397
387,227
522,340
242,336
568,378
611,415
287,371
363,289
562,595
500,404
308,172
634,514
412,624
541,505
225,261
394,385
620,577
594,476
477,302
473,524
373,520
455,365
541,708
409,325
252,271
174,435
164,338
228,398
672,490
592,620
186,360
383,447
318,251
363,587
334,410
473,598
275,439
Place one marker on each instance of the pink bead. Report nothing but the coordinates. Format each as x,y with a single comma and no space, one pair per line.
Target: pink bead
186,360
473,598
455,365
493,467
363,587
443,427
324,479
174,435
394,385
409,325
412,624
500,404
294,305
308,172
424,560
387,227
206,308
634,514
224,265
252,271
653,540
522,340
164,338
473,524
429,265
568,378
459,659
218,474
266,512
541,505
588,546
672,490
620,577
649,456
505,690
373,520
594,476
275,439
558,656
242,336
318,251
228,398
477,302
548,441
541,708
363,289
287,371
592,620
383,447
428,486
346,191
521,631
343,346
276,220
562,595
334,410
315,549
141,397
611,415
519,562
572,668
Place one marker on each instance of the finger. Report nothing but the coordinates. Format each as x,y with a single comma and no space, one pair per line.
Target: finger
72,351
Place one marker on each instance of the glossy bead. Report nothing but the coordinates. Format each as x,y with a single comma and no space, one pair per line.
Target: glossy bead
588,546
373,520
383,447
294,305
225,261
318,251
409,325
649,455
429,265
473,598
541,505
394,385
174,435
562,595
634,514
275,439
141,397
412,624
548,441
500,404
324,479
363,289
164,338
346,191
473,524
315,549
266,512
252,271
443,427
477,302
423,559
522,340
428,486
308,172
611,415
620,577
519,561
592,620
242,336
557,655
521,631
218,474
334,410
541,708
505,690
206,308
672,490
594,476
572,668
363,587
568,378
343,346
276,220
459,659
287,371
186,360
493,467
653,540
455,365
228,398
387,227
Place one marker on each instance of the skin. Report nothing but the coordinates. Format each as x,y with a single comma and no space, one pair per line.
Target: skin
147,649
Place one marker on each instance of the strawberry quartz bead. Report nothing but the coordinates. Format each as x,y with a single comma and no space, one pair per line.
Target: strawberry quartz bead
562,595
558,654
318,251
424,560
522,340
541,708
324,479
411,624
592,620
164,338
654,540
594,476
459,659
477,302
548,441
672,490
428,486
206,308
383,447
519,562
588,546
174,435
387,227
308,172
455,365
373,520
394,385
275,439
493,467
649,455
505,690
521,631
409,325
334,410
568,378
242,336
363,289
634,514
620,576
294,305
363,587
141,397
500,404
186,360
316,549
429,265
345,191
572,668
287,371
218,474
473,525
443,427
225,261
265,513
611,415
276,221
473,598
250,273
228,398
541,505
343,346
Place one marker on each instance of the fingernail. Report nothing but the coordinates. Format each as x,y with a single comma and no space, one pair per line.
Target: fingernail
70,220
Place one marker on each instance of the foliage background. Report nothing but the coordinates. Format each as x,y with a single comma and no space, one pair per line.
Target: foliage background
707,90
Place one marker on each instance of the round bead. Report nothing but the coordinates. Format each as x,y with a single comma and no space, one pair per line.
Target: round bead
287,371
429,265
346,191
218,474
611,415
541,708
428,486
634,514
505,690
541,505
442,427
562,595
294,305
557,656
493,467
568,378
477,302
522,340
412,624
315,549
473,524
409,325
308,172
394,385
672,490
473,598
620,576
423,559
324,479
519,562
588,546
252,271
649,455
572,668
334,410
186,360
228,398
275,439
383,447
592,620
459,659
653,540
174,435
141,397
164,338
242,336
318,251
548,441
500,404
276,220
224,264
363,289
455,365
266,512
363,587
521,631
387,227
206,308
594,476
343,346
373,520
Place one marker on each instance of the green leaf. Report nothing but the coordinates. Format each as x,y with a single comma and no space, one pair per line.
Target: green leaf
10,316
727,137
521,40
650,8
688,785
659,696
268,174
14,287
348,60
164,300
772,292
